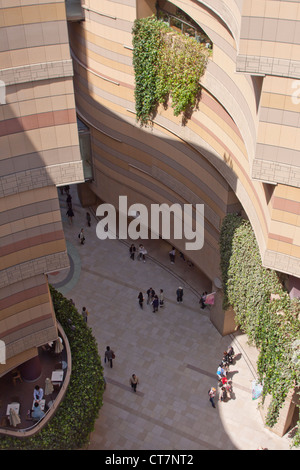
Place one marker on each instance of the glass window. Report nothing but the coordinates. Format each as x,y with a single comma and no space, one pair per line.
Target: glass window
85,149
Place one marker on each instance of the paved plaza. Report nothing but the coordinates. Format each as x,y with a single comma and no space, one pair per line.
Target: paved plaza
175,352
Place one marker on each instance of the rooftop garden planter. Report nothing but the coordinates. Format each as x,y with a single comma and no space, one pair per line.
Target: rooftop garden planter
166,65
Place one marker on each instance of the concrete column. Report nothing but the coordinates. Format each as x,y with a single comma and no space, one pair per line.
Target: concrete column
223,320
285,416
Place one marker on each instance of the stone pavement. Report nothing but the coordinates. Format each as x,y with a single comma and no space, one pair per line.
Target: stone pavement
175,352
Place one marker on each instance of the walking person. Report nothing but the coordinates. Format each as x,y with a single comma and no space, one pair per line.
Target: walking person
70,215
161,298
223,394
150,294
81,237
142,253
109,356
212,394
133,382
172,255
155,304
141,299
203,299
179,294
228,386
132,251
231,354
84,314
69,201
88,219
221,372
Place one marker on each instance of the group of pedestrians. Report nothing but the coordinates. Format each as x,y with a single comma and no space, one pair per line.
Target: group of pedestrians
84,311
109,355
140,251
225,385
156,300
70,212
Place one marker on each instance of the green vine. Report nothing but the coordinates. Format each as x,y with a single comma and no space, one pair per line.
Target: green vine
272,325
167,65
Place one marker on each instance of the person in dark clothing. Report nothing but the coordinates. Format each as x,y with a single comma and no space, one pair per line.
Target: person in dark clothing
69,201
132,251
70,214
141,299
212,394
202,300
150,294
109,356
179,294
172,255
155,303
88,218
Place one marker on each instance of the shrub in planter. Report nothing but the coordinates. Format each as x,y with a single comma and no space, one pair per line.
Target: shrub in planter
167,65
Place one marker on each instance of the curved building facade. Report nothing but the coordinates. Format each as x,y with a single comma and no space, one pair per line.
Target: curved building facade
39,151
69,62
240,148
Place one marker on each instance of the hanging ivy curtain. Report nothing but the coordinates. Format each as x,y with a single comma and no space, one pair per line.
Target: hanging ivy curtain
166,65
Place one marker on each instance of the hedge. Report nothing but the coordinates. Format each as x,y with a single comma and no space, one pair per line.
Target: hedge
74,420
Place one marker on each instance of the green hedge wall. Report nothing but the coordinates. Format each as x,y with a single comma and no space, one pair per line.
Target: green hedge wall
74,420
165,68
271,325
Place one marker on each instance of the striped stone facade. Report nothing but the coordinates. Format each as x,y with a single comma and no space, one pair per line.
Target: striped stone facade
39,151
239,149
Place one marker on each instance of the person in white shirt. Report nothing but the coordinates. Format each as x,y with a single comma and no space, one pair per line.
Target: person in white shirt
38,393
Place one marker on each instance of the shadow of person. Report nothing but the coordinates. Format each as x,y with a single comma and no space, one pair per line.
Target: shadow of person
231,373
237,357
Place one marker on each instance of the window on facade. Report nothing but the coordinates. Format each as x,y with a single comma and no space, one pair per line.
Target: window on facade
85,149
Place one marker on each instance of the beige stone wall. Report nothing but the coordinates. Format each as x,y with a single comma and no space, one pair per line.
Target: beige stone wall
39,151
225,140
269,40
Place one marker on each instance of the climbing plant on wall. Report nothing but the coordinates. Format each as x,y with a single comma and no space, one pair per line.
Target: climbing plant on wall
264,311
167,64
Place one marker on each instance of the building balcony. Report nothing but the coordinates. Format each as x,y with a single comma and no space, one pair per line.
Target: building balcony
17,392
